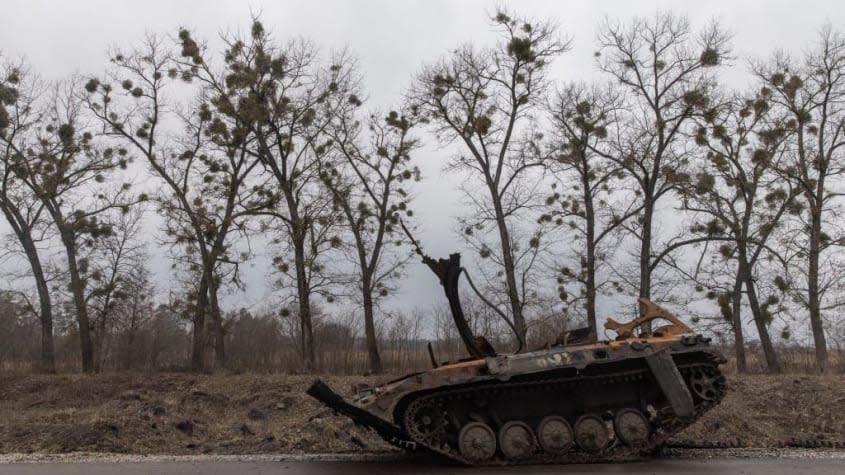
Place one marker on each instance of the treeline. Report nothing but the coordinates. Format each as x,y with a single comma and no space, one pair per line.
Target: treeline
654,180
158,339
261,342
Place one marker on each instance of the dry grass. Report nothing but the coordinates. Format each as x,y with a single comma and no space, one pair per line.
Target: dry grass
794,360
775,411
248,413
166,413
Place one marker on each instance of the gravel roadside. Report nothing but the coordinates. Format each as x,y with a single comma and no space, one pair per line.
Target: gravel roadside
675,454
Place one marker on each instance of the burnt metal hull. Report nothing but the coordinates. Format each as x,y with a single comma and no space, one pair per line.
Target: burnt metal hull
656,385
563,402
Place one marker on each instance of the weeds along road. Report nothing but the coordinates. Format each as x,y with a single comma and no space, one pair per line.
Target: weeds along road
713,462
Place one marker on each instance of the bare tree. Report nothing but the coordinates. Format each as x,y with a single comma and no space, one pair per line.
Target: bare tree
666,70
61,165
366,181
284,98
134,313
812,92
114,260
588,200
205,170
737,193
483,100
22,210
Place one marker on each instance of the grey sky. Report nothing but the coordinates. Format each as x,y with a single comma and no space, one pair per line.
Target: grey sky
392,39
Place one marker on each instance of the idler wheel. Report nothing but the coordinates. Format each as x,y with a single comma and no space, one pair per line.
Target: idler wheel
631,426
555,435
477,441
591,433
516,440
704,385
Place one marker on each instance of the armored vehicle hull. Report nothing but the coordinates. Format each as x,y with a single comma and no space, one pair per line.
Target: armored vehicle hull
624,396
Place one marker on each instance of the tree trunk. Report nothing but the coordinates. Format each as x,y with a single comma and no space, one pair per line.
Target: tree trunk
591,292
99,343
370,328
45,311
813,297
510,272
762,329
100,337
590,283
48,353
304,297
645,257
78,289
199,333
736,322
216,322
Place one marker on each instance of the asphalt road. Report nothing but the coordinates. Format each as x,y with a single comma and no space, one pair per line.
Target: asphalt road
768,466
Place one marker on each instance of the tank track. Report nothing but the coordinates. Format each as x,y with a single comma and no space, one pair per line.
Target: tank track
663,423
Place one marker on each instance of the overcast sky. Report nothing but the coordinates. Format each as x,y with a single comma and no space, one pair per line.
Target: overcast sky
391,39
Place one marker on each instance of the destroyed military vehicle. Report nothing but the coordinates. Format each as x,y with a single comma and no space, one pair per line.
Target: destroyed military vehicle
566,401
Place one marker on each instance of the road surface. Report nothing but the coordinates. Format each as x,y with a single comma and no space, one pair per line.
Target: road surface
816,463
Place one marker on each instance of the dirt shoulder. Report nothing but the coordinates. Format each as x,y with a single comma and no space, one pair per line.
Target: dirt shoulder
259,414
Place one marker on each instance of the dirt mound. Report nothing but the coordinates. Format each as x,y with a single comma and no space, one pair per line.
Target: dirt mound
249,414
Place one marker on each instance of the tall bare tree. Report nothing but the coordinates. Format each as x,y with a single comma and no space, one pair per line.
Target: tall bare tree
588,201
285,97
62,165
205,170
738,194
812,92
666,70
23,211
366,181
484,101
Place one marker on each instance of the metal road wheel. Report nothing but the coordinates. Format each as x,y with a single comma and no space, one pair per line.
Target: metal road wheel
703,385
555,435
477,441
516,440
631,426
591,433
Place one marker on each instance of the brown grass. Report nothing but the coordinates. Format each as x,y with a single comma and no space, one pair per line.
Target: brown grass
165,413
795,360
248,413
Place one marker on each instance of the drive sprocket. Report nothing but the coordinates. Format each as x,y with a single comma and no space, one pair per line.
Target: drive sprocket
426,421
